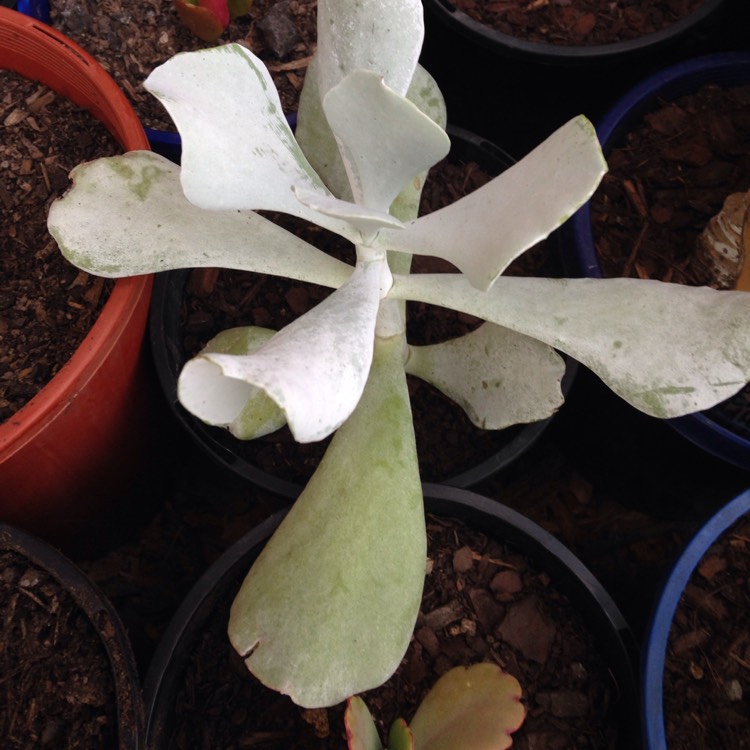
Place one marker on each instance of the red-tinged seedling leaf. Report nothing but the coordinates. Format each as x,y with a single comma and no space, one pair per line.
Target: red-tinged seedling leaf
474,708
219,8
201,21
238,8
400,737
361,733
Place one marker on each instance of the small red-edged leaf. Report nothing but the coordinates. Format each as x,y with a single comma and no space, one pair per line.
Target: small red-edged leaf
218,8
361,733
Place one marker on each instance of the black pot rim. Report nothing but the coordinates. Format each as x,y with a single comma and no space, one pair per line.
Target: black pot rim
100,612
571,55
168,359
729,68
599,611
655,649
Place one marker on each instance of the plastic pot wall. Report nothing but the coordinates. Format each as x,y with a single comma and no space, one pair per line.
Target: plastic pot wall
655,651
598,611
542,53
77,443
727,69
104,620
169,357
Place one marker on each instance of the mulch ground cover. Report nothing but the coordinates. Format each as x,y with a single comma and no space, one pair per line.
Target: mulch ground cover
47,306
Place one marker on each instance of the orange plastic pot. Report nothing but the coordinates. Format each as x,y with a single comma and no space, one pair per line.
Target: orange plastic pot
77,443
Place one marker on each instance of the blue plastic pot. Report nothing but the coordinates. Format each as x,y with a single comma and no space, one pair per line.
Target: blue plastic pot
654,653
38,9
726,69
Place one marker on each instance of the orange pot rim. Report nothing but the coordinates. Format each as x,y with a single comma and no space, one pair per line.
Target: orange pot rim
36,50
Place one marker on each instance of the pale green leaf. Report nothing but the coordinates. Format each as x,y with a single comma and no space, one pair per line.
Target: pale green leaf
474,708
482,233
351,555
367,221
497,376
384,139
127,215
238,151
260,415
667,349
426,95
384,37
314,136
314,369
361,732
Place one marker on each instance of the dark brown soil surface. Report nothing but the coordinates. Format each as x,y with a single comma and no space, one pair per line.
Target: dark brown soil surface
55,677
669,177
47,306
578,22
483,601
282,34
706,698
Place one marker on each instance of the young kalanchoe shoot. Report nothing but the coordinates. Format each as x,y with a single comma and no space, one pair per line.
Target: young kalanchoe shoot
468,708
328,608
208,19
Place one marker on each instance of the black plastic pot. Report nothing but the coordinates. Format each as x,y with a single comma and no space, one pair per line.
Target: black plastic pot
556,55
599,613
169,357
726,69
104,620
655,651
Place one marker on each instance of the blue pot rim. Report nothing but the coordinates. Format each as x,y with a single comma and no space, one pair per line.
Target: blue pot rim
728,68
654,653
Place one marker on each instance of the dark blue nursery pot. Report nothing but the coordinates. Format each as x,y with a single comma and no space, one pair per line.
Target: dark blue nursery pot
655,650
725,69
38,9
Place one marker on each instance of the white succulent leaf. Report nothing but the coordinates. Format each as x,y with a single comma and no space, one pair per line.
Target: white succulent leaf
482,233
127,215
259,415
329,607
314,135
384,139
314,369
238,151
384,37
667,349
315,138
497,376
366,222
